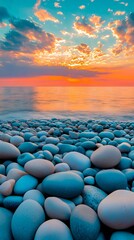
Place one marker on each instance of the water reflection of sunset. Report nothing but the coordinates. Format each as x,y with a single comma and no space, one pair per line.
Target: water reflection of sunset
105,100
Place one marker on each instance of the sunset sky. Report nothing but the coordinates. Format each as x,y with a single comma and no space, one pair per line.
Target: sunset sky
67,43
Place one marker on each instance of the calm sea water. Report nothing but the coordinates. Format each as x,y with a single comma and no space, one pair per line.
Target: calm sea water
116,103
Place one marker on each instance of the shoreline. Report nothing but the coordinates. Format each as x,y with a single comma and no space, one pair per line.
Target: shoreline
73,176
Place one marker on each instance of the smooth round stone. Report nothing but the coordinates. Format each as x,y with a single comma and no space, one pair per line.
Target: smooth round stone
118,133
24,184
5,137
63,184
62,167
113,143
78,173
117,210
35,195
15,174
84,223
16,140
125,163
106,157
70,203
12,202
14,165
8,151
106,134
1,199
57,209
51,148
129,173
101,236
28,147
2,169
92,196
77,161
88,145
24,158
34,139
42,133
87,135
124,147
26,220
65,147
5,224
39,168
131,155
27,136
3,178
57,159
89,172
122,235
111,180
6,187
78,200
53,229
52,140
73,135
89,180
48,155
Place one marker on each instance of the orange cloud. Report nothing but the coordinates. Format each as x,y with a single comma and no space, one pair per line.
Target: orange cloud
84,28
60,13
96,20
119,13
84,48
42,14
82,7
117,49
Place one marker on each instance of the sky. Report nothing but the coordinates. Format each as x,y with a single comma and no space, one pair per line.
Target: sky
66,43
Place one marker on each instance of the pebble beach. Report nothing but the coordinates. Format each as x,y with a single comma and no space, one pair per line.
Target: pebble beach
63,179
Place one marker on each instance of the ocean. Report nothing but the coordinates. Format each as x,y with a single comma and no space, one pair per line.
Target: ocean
113,103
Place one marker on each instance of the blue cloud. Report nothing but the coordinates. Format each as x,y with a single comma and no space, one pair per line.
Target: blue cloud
4,14
24,25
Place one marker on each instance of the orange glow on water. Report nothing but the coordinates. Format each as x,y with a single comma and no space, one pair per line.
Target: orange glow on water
104,100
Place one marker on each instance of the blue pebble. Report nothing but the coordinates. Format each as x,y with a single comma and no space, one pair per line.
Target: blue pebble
89,172
12,202
63,148
35,195
5,224
2,169
122,235
129,173
51,148
125,163
63,184
131,155
111,180
88,145
24,184
48,155
26,220
92,196
14,165
106,134
84,223
27,147
24,158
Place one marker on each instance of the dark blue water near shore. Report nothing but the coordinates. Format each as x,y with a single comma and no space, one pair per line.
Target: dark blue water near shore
116,103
